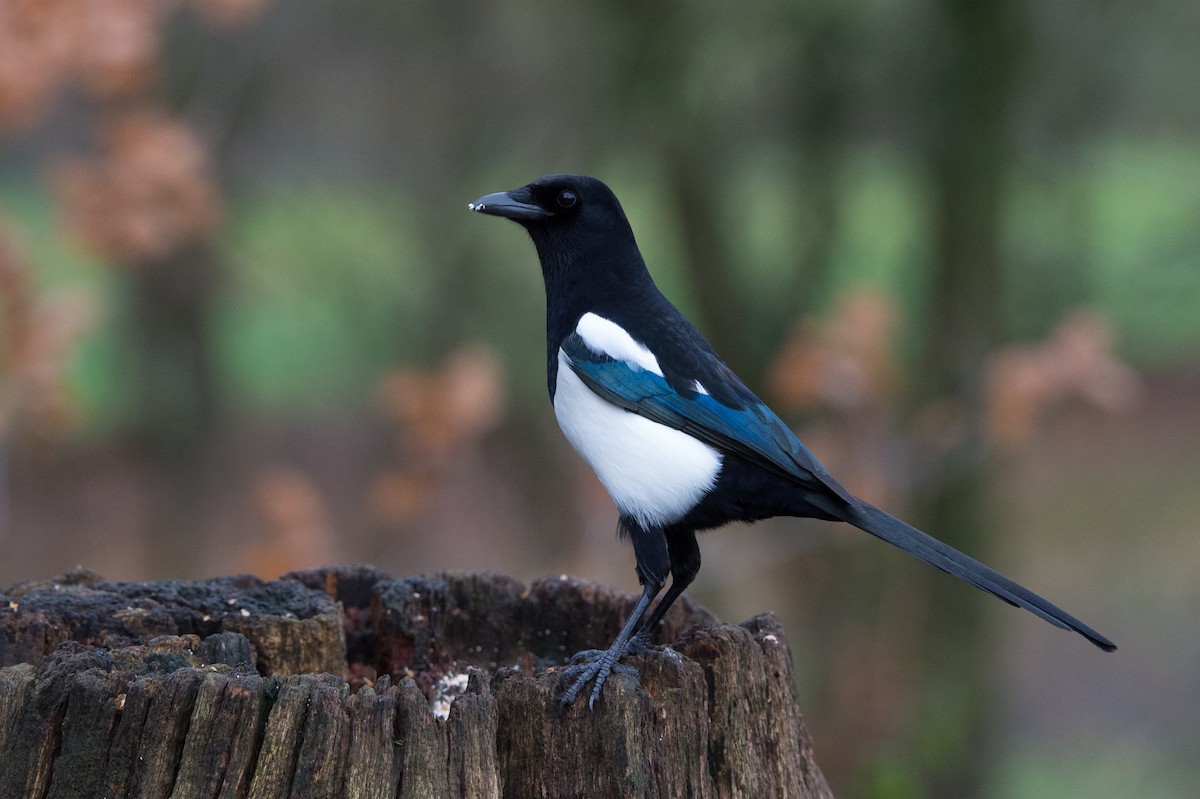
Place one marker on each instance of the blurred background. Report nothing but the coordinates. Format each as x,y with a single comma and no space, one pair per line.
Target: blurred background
249,325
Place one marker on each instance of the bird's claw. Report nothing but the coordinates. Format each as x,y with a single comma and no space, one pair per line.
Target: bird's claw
589,665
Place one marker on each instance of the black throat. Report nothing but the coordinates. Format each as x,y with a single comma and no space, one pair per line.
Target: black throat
584,273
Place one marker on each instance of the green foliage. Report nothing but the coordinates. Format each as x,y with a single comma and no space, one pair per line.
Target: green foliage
883,236
1117,231
891,777
1119,771
329,288
1145,244
97,368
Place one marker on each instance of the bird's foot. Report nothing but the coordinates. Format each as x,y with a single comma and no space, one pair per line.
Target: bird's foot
593,664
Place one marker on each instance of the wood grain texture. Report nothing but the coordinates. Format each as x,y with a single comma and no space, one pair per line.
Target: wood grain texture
172,690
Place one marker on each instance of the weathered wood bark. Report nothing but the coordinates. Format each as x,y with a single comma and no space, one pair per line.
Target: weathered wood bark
211,689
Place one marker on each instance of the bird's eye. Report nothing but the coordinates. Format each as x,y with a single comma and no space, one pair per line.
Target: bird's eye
567,198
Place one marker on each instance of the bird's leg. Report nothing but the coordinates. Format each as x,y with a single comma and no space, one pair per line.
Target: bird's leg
598,664
653,562
642,641
685,565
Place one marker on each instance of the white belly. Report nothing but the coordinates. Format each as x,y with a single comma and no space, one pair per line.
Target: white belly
653,473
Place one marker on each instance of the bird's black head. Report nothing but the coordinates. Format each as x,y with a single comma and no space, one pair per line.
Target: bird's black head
588,255
567,216
556,202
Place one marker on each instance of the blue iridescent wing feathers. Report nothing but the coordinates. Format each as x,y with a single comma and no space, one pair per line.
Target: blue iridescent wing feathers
752,431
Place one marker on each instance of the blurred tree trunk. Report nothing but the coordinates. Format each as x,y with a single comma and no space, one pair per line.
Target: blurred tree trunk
968,155
693,150
698,152
821,98
720,299
176,398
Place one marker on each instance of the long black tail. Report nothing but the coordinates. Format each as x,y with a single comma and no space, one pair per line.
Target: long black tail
883,525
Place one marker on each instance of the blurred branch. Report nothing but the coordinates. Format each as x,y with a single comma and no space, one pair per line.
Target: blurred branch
968,152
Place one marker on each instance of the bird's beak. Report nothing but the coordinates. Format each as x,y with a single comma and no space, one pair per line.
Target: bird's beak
516,205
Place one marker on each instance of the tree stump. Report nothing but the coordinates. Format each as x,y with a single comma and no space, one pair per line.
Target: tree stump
345,682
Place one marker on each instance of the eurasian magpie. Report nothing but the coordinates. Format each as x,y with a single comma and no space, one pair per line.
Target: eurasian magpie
678,440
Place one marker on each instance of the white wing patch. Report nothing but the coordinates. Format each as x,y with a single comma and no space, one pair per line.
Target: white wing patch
653,473
605,337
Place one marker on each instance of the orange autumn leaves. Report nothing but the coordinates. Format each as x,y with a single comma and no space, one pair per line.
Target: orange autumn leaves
109,48
846,364
147,189
1075,365
149,194
437,414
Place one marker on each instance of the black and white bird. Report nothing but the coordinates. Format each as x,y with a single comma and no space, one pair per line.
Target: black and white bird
678,440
